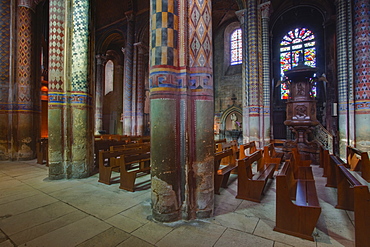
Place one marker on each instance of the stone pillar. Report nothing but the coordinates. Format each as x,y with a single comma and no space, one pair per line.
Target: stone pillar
25,132
242,16
5,79
134,91
362,72
181,86
99,94
141,50
252,98
265,11
345,79
70,124
128,74
80,103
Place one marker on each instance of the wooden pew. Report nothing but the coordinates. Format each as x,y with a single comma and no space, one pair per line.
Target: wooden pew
271,156
324,160
300,170
359,161
298,159
42,152
353,194
251,186
128,173
109,161
331,174
247,147
222,172
300,217
217,142
105,144
223,146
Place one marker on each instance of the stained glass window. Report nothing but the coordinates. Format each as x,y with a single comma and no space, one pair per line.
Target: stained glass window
299,40
236,47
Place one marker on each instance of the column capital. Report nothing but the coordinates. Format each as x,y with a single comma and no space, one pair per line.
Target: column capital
142,49
100,59
130,15
30,4
241,14
265,9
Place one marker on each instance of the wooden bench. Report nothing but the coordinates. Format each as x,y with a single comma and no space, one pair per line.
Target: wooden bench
271,156
251,186
353,194
297,204
324,160
217,142
359,161
331,173
128,173
42,152
105,144
247,147
223,146
300,170
298,158
222,172
109,161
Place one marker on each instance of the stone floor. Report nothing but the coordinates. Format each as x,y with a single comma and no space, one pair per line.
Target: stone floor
35,211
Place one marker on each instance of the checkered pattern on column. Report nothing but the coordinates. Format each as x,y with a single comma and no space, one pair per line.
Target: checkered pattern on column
56,46
164,32
80,45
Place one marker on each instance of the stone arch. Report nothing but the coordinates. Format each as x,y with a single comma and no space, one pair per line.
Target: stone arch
225,122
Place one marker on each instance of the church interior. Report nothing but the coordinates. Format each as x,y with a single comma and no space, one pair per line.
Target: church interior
184,122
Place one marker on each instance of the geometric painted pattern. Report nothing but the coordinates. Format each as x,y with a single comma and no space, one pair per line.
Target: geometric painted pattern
200,34
362,49
4,49
80,45
24,51
254,95
164,33
56,45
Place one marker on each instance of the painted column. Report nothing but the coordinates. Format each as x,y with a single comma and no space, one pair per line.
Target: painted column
5,78
128,74
242,16
181,94
345,83
25,133
253,80
70,124
99,94
134,91
252,98
141,49
80,97
265,11
362,72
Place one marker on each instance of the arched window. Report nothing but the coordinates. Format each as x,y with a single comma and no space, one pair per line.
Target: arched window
109,71
296,41
236,47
